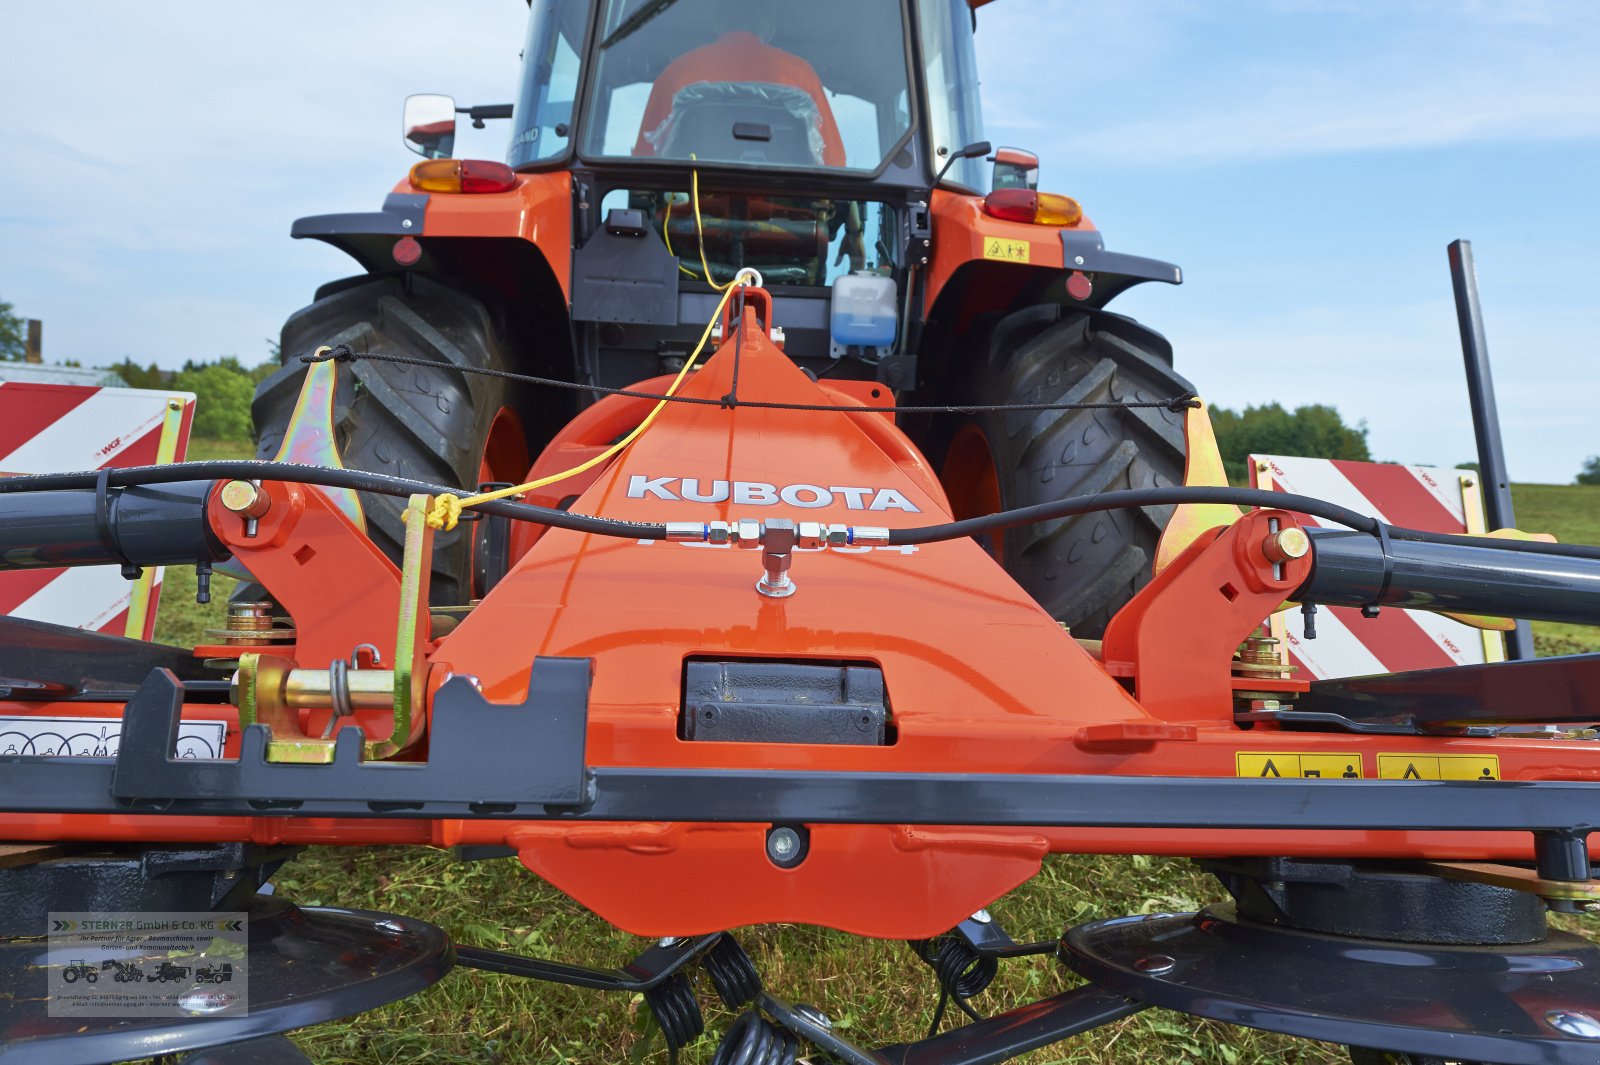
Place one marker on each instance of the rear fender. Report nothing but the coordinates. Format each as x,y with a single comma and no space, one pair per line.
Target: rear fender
538,211
1013,257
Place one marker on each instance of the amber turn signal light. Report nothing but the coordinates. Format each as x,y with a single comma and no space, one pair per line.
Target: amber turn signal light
1035,208
462,175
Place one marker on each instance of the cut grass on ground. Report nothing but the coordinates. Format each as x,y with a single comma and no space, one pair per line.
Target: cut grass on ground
875,991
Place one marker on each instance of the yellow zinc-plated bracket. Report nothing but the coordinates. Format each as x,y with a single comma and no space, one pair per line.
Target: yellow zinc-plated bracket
411,638
166,453
1472,507
261,692
1202,468
308,439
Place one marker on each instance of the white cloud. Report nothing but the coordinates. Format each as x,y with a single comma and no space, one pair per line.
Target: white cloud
155,160
1184,84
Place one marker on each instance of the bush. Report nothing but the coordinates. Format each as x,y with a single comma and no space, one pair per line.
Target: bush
222,406
1590,474
1313,431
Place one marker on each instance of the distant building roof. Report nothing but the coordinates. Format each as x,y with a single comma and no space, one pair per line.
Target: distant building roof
34,373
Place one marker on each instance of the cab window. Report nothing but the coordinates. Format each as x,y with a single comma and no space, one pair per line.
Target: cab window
766,83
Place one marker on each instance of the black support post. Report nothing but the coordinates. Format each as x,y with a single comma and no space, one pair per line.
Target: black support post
1492,474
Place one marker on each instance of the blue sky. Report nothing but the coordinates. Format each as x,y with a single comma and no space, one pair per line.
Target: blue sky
1305,162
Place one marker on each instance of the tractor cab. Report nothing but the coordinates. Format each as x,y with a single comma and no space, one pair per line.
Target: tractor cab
831,86
709,136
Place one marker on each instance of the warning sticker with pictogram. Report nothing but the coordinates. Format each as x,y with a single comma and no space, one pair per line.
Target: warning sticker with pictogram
1301,765
1439,766
1006,251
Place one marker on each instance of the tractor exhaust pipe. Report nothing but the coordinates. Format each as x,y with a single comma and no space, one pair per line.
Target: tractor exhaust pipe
1360,570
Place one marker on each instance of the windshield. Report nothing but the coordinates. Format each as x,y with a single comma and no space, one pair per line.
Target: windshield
955,119
542,119
760,82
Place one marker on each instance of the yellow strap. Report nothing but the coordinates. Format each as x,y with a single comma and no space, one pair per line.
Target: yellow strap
447,508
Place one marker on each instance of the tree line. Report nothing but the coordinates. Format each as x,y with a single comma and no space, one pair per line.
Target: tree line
224,388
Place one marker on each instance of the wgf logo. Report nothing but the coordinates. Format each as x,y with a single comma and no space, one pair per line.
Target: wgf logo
109,448
761,494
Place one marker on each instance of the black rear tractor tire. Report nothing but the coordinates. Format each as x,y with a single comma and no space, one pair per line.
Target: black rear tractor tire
1081,569
438,425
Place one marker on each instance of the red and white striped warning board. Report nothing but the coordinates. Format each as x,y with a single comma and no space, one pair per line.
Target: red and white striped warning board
59,428
1415,497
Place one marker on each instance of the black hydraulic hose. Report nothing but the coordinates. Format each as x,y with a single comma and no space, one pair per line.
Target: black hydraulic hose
1130,499
384,484
358,480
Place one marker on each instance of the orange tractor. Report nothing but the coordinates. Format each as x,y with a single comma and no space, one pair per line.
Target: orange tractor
697,503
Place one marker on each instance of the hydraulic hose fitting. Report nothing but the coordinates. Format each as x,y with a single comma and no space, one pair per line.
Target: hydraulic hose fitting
778,546
778,538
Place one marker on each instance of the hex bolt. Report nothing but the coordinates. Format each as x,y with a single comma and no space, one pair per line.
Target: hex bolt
786,846
982,916
669,941
1154,965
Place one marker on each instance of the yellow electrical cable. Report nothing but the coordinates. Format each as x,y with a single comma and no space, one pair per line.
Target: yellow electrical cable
700,234
447,507
666,235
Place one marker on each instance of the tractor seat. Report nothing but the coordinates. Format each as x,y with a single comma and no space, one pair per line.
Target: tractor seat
741,122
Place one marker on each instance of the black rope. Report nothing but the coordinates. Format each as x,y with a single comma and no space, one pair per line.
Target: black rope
344,353
731,400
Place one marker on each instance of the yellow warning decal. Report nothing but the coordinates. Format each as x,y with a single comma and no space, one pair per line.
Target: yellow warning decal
1439,766
1007,251
1298,764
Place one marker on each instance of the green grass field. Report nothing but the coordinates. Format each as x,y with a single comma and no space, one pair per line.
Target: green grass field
875,991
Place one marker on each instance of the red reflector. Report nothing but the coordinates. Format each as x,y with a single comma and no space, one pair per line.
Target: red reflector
407,251
479,175
1014,205
1078,286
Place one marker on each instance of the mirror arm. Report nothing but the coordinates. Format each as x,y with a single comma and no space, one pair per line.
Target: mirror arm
482,111
970,151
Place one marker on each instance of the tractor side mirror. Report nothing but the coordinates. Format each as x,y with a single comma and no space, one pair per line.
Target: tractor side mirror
1015,169
429,124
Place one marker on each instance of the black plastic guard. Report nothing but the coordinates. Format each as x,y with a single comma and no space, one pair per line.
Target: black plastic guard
1085,250
368,236
402,215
